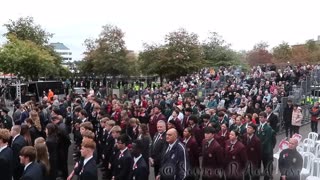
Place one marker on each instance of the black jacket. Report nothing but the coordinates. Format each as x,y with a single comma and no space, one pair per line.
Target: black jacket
33,172
122,165
139,171
89,171
6,164
17,144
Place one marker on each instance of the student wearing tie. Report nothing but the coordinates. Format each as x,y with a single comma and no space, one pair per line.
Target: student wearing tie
89,168
265,135
140,169
32,170
193,152
212,152
235,157
253,148
6,156
123,162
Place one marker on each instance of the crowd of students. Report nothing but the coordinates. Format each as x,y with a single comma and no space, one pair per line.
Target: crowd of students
230,134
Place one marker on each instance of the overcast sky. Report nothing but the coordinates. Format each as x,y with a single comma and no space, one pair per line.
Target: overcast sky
242,23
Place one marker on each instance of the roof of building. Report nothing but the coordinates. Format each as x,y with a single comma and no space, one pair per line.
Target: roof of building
59,46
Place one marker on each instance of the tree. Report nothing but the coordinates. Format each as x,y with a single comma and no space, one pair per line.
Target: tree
180,55
282,52
107,55
300,54
183,53
153,60
25,29
26,34
259,54
312,45
25,58
217,52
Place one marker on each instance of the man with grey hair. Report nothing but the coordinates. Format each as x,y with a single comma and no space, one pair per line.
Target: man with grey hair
174,162
158,145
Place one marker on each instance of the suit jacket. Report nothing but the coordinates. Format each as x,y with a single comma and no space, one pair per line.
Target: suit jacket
133,133
253,148
139,171
89,171
193,152
122,166
198,134
273,121
158,147
108,145
222,138
6,164
213,158
33,172
235,155
265,136
16,146
176,158
153,123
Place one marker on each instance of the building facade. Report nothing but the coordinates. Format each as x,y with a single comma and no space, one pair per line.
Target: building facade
63,51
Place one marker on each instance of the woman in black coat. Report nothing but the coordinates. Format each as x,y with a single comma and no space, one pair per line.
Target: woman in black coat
52,144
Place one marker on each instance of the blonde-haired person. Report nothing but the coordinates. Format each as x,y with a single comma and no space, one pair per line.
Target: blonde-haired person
34,115
43,159
39,140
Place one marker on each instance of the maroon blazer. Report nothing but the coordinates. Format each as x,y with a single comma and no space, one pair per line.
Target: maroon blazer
212,159
193,152
185,122
253,149
153,123
178,126
198,134
222,138
235,156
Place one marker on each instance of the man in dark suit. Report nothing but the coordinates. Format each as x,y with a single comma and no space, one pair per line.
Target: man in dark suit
212,153
32,170
139,170
89,168
17,144
123,162
158,145
6,156
253,147
272,118
174,163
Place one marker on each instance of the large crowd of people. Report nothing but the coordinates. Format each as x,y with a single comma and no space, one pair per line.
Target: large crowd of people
167,131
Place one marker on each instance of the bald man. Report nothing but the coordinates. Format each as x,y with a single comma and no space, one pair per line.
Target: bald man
174,163
290,162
